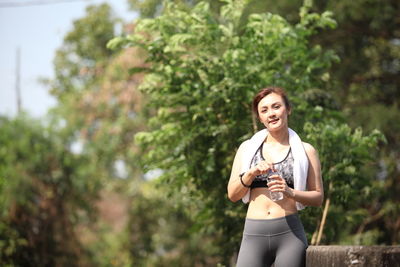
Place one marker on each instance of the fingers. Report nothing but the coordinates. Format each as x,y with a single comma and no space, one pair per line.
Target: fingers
265,166
277,184
262,168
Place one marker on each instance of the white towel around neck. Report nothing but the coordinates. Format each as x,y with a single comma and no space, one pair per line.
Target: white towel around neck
300,165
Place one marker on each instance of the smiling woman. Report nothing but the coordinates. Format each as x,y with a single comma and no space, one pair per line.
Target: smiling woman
274,161
272,107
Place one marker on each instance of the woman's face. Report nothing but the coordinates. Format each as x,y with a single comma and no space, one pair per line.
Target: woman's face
273,113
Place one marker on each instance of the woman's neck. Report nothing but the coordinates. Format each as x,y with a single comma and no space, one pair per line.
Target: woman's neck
281,137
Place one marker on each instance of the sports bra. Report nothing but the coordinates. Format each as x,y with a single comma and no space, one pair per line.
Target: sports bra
285,167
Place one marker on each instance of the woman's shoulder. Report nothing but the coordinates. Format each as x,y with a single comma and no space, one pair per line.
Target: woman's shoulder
310,150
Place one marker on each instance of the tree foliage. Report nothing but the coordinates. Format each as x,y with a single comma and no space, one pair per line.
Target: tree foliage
100,110
97,94
202,74
366,85
153,8
60,185
346,158
43,193
161,231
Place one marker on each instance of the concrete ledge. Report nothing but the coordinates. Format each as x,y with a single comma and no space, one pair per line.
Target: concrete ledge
338,256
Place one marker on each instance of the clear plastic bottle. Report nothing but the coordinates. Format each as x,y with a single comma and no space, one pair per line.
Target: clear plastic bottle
275,196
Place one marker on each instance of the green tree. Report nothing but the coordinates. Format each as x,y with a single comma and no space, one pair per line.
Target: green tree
364,84
83,54
98,106
97,94
153,8
160,231
103,113
44,191
369,82
344,154
202,74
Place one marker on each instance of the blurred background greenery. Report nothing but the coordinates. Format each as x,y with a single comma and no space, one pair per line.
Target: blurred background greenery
131,166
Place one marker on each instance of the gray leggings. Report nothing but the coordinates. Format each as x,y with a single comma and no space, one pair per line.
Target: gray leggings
281,241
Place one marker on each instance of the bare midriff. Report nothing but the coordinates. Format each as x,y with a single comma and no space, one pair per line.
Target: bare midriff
262,207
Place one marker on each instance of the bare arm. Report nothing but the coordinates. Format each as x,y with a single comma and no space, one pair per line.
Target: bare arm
236,190
314,196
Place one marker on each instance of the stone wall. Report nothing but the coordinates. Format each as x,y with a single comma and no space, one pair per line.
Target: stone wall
357,256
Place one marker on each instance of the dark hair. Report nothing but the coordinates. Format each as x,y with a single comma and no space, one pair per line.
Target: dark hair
266,91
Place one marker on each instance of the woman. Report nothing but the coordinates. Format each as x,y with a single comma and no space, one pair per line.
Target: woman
273,232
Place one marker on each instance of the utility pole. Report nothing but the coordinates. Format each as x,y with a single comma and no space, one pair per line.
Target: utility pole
17,81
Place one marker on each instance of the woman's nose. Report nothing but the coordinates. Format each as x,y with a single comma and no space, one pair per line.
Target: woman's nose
271,113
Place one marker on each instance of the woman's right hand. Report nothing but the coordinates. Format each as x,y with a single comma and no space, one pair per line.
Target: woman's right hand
261,168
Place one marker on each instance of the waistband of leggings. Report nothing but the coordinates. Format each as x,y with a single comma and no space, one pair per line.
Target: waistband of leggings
293,216
275,226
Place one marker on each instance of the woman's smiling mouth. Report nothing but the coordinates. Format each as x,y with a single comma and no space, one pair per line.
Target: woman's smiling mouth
273,121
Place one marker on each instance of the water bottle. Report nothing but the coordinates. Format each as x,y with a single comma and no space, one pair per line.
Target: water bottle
275,196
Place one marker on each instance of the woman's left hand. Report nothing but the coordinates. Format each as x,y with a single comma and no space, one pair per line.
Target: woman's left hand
278,184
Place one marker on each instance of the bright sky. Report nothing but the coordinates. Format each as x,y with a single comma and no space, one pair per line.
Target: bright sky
38,30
